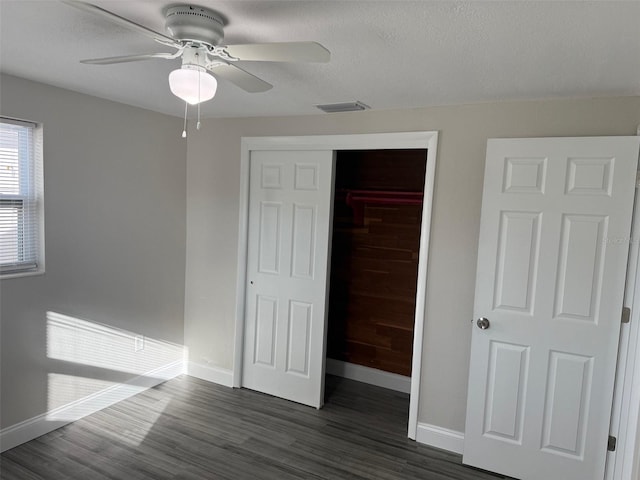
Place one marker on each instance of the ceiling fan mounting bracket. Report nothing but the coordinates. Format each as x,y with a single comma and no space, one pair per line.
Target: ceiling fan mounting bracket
188,23
194,56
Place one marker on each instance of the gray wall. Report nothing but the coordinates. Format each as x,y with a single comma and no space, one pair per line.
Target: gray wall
115,191
115,194
213,177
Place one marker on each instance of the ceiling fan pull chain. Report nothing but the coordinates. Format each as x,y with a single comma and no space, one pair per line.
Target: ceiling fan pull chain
184,128
199,99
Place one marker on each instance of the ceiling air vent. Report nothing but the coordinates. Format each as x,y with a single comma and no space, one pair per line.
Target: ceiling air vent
343,107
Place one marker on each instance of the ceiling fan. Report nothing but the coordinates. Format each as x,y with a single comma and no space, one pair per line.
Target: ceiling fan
196,34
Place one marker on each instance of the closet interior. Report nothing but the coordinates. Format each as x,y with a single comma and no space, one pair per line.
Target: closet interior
374,257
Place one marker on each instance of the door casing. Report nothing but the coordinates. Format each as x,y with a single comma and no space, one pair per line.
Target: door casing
399,140
624,462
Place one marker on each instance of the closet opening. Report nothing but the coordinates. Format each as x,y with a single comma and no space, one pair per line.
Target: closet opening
375,249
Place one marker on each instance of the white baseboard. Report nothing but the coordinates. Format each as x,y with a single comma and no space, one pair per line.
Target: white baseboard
372,376
211,374
439,437
47,422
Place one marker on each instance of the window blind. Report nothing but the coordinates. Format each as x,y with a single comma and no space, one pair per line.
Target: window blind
20,196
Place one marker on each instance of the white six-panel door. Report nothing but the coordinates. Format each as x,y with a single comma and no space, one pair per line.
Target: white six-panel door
554,239
290,197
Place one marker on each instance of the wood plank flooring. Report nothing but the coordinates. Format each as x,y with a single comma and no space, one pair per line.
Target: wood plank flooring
189,429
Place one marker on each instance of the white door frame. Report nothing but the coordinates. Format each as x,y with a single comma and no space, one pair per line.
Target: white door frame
623,464
375,141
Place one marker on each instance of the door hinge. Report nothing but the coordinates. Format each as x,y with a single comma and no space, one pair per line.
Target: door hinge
611,444
626,315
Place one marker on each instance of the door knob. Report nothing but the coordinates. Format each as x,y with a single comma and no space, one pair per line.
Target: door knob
483,323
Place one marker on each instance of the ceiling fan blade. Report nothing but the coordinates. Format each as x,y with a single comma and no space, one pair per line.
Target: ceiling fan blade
280,52
246,81
127,58
123,22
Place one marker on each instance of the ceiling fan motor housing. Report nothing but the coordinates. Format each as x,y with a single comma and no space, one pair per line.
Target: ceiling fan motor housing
195,24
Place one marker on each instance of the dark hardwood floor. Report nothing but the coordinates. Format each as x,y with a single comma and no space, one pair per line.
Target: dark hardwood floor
190,429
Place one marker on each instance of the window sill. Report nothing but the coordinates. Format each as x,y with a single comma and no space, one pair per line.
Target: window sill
31,273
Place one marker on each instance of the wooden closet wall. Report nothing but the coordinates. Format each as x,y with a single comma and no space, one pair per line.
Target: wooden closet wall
374,257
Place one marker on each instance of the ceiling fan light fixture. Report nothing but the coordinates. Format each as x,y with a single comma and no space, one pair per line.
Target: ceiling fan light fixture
192,84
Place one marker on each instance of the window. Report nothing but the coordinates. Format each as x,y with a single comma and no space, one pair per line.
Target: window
21,212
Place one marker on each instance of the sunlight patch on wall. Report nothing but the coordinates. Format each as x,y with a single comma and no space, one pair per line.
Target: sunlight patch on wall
96,365
93,344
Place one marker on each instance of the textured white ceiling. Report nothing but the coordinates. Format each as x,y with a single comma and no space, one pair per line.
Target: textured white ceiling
387,54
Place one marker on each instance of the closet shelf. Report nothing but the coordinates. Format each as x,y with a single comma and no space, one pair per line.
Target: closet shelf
358,199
